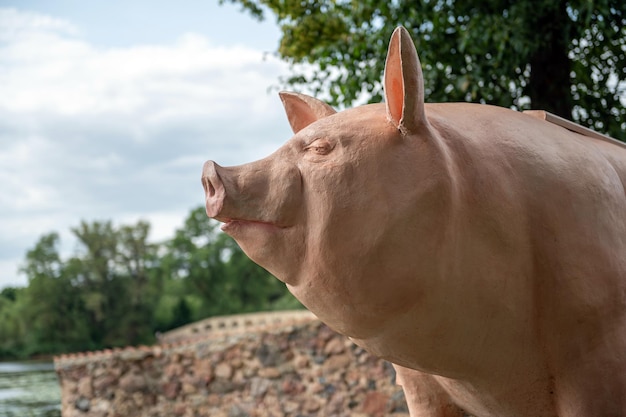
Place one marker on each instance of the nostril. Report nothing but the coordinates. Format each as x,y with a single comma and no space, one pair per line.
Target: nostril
213,189
208,187
210,179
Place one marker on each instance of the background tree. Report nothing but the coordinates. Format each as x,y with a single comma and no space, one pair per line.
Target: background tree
564,56
12,331
51,314
104,290
137,259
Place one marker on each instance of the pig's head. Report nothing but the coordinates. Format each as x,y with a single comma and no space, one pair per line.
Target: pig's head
350,207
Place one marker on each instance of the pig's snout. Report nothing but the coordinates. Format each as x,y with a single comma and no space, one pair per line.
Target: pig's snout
213,189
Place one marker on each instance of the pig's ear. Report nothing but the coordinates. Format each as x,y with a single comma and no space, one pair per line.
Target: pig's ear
302,110
404,83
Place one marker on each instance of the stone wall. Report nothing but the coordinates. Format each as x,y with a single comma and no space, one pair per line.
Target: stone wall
290,368
218,327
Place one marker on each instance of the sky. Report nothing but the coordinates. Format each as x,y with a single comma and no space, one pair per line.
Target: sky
109,109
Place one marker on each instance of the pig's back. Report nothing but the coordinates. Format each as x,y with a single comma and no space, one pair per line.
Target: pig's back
492,140
563,190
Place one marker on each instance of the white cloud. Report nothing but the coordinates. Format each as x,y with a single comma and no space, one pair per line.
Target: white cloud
101,133
20,25
64,75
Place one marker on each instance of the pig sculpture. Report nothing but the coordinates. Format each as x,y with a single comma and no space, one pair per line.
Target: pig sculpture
480,250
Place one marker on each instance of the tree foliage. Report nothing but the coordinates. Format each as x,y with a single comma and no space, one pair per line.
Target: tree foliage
119,288
564,56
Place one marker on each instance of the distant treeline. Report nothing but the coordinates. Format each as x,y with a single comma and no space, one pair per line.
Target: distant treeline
119,289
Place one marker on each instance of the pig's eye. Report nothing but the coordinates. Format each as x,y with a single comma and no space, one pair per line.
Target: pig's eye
320,147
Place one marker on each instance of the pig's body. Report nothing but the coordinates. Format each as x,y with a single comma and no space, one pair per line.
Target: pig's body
481,250
530,320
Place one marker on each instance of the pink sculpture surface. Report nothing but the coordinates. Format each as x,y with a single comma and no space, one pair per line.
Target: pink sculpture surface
480,250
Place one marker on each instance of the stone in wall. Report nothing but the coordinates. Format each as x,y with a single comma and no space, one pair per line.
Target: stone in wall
301,370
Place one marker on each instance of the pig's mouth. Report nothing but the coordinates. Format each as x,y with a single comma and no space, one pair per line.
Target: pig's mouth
232,225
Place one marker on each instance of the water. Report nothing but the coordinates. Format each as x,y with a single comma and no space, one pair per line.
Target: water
29,389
